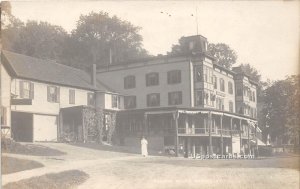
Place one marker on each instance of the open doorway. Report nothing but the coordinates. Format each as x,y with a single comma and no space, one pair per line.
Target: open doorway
22,126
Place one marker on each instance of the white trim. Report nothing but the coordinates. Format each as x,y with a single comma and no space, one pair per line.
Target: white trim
192,112
159,112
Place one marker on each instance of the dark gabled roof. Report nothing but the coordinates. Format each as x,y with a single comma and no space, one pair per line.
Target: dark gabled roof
49,71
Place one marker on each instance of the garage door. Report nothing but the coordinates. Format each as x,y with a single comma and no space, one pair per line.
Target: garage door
44,128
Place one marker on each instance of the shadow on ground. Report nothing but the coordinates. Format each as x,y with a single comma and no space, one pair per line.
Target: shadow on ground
13,165
65,179
112,148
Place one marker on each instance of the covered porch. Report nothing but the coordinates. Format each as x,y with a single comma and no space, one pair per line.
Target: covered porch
189,132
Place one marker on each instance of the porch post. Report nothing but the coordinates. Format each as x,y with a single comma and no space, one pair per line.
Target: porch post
256,145
231,133
249,149
241,141
222,142
60,126
210,137
175,117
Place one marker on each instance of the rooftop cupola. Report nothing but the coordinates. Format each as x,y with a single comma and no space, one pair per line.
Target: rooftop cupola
194,44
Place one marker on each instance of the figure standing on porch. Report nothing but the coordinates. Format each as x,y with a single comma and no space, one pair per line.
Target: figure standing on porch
144,144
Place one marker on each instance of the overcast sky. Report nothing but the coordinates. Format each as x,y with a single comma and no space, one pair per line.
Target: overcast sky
263,33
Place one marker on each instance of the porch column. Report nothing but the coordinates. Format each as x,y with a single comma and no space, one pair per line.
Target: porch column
60,126
175,117
194,147
222,142
241,144
249,149
231,134
210,137
256,141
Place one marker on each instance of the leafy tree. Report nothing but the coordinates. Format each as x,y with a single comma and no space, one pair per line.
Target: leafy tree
10,25
41,40
251,71
281,110
96,37
99,38
225,56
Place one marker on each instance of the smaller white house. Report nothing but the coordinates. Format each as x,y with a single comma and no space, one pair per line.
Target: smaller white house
34,92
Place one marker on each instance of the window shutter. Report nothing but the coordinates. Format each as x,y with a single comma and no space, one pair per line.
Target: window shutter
57,94
31,95
21,89
48,93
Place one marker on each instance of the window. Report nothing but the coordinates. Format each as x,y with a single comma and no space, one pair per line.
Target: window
26,90
129,82
230,88
215,82
222,85
3,116
199,98
206,98
175,98
71,96
115,101
130,102
198,73
230,106
152,79
208,74
220,103
52,94
212,99
253,94
90,99
153,99
174,76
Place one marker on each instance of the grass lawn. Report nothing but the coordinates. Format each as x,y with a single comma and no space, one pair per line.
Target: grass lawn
30,149
65,180
12,165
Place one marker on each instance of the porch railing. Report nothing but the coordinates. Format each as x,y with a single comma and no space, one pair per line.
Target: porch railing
204,131
192,131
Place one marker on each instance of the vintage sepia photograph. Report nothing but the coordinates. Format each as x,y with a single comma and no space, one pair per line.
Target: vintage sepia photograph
150,94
